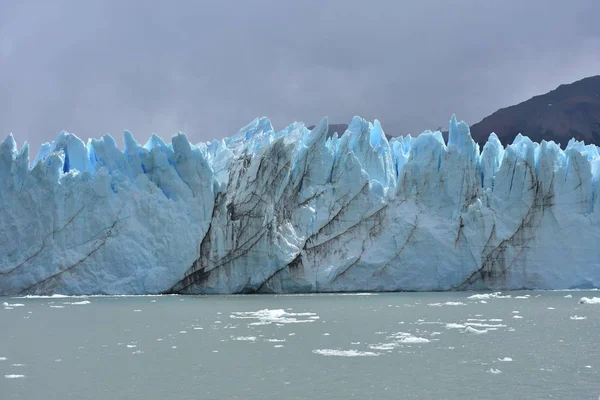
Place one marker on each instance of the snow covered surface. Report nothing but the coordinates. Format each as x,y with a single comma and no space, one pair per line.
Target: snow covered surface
298,211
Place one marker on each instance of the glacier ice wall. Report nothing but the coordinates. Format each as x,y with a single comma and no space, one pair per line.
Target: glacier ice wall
298,211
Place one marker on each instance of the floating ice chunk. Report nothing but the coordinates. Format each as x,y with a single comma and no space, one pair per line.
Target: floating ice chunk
470,329
245,338
78,303
5,304
183,332
494,371
569,296
3,358
587,300
57,306
551,308
275,340
326,334
516,312
414,340
14,376
577,317
487,296
505,359
131,346
345,353
517,317
481,325
453,325
278,346
448,303
277,316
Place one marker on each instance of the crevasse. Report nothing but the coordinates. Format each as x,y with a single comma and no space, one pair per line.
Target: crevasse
298,211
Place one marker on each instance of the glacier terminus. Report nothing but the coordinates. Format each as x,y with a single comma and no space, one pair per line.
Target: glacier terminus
298,211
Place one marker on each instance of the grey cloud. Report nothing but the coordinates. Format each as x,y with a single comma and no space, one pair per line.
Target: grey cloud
208,68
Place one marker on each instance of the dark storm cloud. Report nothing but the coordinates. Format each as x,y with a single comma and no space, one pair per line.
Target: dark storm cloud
208,68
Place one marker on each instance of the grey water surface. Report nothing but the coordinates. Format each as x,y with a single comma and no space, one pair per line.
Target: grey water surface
527,345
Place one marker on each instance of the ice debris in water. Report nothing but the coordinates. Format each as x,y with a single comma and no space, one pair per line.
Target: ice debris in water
470,329
14,376
487,296
505,359
345,353
277,316
494,371
5,304
587,300
577,317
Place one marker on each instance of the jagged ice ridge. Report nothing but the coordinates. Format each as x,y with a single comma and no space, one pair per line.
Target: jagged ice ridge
298,211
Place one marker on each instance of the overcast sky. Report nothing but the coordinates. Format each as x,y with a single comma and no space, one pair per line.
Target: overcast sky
208,68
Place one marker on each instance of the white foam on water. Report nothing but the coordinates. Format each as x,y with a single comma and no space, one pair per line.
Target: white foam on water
18,365
526,297
3,358
344,353
137,352
57,306
577,317
278,346
275,340
78,303
551,308
183,332
58,360
14,376
587,300
505,359
137,310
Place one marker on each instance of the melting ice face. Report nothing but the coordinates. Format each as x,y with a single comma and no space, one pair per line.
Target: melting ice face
298,211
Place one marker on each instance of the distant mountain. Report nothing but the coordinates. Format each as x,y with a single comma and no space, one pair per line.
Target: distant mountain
569,111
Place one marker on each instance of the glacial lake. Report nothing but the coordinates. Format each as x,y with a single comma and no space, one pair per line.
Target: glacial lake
515,345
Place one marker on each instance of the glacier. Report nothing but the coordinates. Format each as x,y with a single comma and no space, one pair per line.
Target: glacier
298,211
